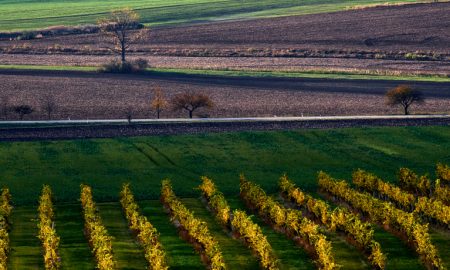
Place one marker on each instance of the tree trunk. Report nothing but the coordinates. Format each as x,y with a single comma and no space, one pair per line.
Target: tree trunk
190,114
123,52
406,109
157,114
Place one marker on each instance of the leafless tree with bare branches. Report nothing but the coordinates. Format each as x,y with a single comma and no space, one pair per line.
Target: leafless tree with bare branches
4,106
23,110
129,112
121,30
49,105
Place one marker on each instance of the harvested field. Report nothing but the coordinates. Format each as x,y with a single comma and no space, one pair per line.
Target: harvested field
380,32
381,66
85,95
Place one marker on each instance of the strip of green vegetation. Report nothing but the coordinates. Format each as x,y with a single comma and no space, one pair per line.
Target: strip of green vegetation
180,255
36,14
52,68
319,74
26,252
74,248
106,163
127,252
441,239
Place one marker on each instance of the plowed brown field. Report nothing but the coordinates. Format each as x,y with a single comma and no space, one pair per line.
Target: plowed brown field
338,41
84,95
418,27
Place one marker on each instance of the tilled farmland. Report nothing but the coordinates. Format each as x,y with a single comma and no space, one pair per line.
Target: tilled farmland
90,95
371,33
288,64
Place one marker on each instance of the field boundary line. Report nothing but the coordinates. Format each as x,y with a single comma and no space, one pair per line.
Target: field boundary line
222,120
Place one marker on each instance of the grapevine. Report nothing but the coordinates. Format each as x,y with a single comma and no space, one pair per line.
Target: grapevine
428,208
239,222
5,212
389,216
197,230
443,173
98,236
146,233
339,219
291,222
47,232
410,181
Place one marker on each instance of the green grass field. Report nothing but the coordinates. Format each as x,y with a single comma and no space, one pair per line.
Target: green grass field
35,14
263,156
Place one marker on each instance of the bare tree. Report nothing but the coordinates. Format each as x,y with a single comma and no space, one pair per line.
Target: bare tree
121,30
190,102
129,112
4,107
159,101
49,105
23,110
404,95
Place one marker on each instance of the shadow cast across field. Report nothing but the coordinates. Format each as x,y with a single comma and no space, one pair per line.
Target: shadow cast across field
317,85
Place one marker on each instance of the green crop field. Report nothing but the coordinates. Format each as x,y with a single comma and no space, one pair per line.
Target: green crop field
263,156
35,14
105,164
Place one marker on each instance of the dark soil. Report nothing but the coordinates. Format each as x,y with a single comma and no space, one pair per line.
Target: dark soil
90,95
379,32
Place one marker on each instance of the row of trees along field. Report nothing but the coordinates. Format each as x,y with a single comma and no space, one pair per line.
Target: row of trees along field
188,102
